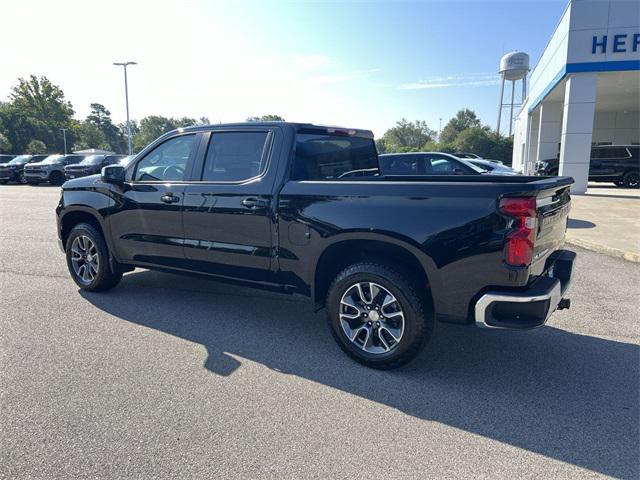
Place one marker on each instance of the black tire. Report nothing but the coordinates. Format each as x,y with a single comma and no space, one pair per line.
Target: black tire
3,182
631,180
418,313
56,178
104,279
22,180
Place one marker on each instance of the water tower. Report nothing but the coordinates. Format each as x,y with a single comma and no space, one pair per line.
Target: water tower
514,66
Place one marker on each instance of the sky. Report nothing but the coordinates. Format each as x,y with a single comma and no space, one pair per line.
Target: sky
362,64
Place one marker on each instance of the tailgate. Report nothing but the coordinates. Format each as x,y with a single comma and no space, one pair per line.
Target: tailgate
552,207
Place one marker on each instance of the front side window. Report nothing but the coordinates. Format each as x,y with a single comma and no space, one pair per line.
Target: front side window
322,156
235,156
440,165
167,162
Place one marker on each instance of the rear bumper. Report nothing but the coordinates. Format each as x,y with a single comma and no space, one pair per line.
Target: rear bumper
531,308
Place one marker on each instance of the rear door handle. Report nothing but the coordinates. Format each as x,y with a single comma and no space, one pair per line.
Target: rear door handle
254,203
169,198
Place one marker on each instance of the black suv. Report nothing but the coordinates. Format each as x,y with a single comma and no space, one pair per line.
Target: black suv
90,165
13,171
619,164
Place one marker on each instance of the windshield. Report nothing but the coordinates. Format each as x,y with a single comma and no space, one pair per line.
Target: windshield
483,165
53,159
472,166
20,159
92,160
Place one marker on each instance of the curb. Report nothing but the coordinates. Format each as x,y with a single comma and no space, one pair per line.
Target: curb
612,252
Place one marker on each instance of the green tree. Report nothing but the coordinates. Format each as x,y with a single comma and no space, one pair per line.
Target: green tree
406,136
37,110
464,119
87,135
5,144
153,126
266,118
100,117
486,143
36,147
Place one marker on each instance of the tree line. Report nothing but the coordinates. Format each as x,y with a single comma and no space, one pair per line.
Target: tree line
31,121
463,133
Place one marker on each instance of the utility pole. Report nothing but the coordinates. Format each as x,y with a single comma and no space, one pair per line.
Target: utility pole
64,138
126,99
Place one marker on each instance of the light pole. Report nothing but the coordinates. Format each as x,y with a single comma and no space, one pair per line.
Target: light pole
126,99
64,137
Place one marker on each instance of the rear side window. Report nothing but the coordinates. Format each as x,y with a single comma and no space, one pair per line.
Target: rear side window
610,152
235,156
401,164
331,157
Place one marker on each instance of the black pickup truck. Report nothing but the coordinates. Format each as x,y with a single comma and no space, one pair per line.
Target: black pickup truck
302,209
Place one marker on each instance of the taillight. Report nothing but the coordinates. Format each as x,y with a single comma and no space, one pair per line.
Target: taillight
519,242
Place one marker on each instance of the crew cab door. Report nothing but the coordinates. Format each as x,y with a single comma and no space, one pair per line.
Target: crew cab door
228,211
146,221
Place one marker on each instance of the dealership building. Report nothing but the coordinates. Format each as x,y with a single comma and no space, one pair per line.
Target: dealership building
584,90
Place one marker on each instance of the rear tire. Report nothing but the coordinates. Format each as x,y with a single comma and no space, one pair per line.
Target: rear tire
385,337
22,180
88,259
631,180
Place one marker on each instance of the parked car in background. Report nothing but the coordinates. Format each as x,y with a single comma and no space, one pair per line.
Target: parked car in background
13,171
51,169
4,158
492,167
268,204
426,163
619,164
90,165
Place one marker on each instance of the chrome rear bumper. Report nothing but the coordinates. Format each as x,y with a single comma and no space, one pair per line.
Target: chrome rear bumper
531,308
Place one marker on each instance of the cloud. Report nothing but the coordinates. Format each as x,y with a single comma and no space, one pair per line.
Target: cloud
454,80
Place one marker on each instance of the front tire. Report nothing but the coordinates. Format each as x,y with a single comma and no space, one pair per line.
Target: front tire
88,259
22,180
378,316
56,178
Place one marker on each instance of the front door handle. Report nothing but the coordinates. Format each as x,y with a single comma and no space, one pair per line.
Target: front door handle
169,198
254,203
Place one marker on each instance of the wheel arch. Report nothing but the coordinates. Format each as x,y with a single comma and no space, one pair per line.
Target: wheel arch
368,246
71,218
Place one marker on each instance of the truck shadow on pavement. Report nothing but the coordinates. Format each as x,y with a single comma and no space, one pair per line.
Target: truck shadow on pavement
569,397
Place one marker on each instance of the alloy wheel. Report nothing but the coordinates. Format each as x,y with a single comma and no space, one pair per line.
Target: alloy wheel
84,259
633,180
371,317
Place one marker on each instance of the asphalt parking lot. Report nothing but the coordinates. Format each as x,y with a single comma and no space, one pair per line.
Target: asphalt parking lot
173,377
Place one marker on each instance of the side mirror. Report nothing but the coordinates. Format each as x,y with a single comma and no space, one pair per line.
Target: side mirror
113,174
